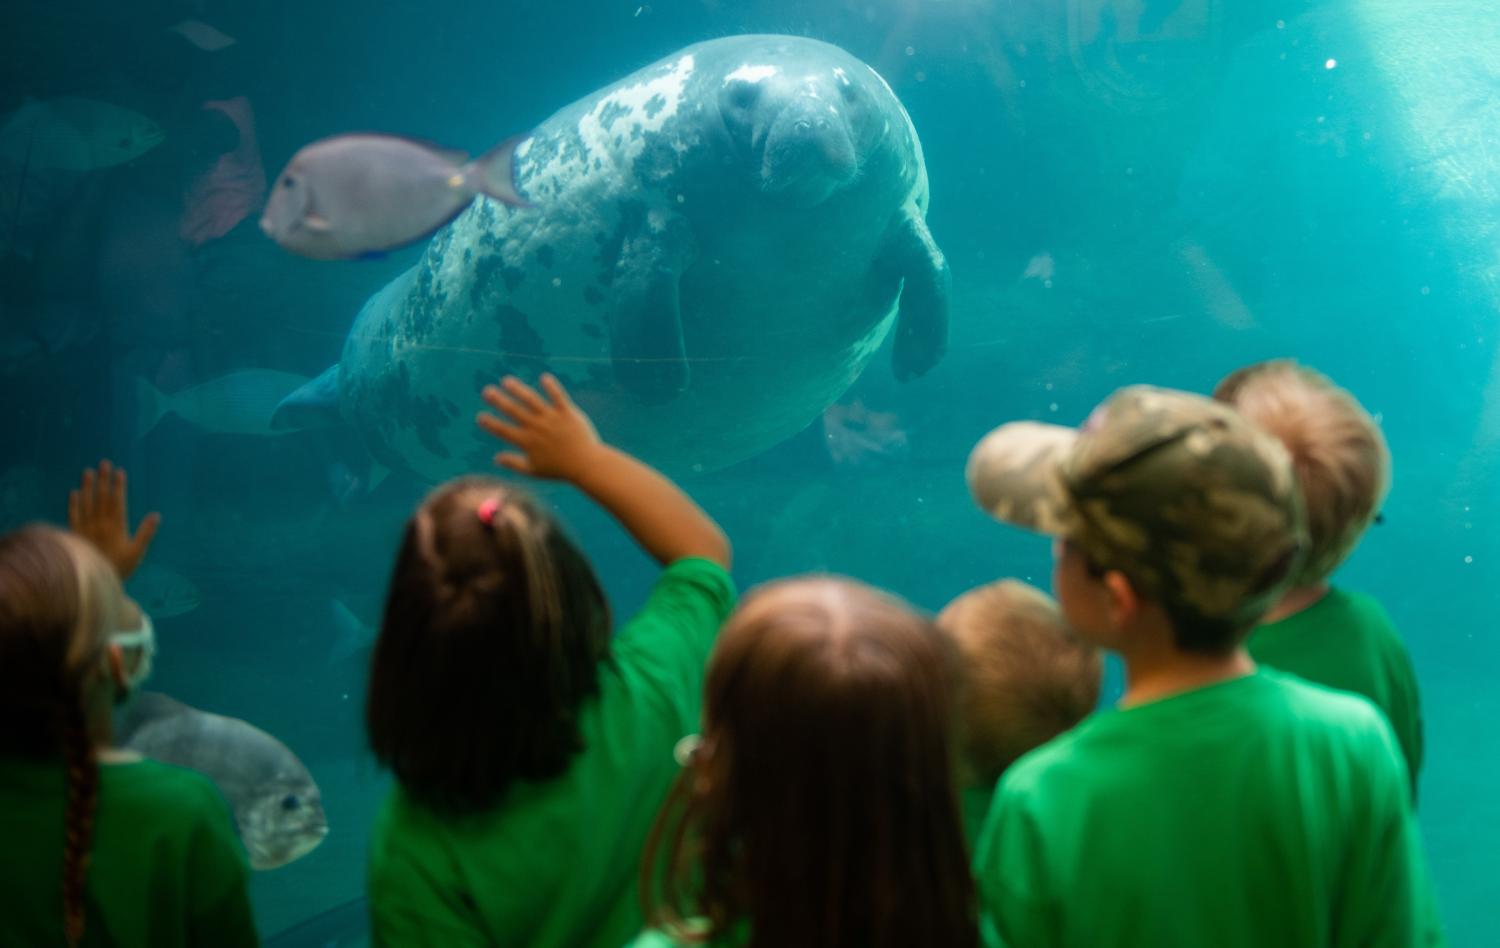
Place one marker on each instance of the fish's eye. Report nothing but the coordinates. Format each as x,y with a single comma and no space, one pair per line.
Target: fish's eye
290,802
288,181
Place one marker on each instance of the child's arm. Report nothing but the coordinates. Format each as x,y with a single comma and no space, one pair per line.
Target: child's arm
97,512
558,442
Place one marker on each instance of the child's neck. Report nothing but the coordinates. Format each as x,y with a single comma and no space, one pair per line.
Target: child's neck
1153,674
1294,601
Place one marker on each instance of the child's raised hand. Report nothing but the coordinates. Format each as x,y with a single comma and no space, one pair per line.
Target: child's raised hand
555,438
97,512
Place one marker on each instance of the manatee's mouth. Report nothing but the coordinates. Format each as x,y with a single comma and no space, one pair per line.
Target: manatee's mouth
806,159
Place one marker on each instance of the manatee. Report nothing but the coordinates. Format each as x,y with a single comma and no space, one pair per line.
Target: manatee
719,243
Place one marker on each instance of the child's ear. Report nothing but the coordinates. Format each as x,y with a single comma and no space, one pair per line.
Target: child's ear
1124,602
116,658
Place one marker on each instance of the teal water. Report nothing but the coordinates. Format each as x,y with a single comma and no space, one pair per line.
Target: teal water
1152,190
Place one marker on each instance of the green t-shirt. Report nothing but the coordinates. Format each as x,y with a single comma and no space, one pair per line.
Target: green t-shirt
556,863
1346,641
165,869
1255,812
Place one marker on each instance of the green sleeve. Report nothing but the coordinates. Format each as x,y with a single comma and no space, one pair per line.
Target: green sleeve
668,641
1014,908
1388,896
218,878
394,924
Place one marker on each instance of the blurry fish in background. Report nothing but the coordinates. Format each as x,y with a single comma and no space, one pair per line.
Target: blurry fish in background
75,134
277,806
241,402
162,591
1040,267
351,636
202,35
855,435
355,196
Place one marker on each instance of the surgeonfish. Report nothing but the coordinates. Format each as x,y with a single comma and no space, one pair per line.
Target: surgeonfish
354,196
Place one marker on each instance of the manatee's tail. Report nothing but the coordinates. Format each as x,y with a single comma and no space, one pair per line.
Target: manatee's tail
150,407
494,173
314,405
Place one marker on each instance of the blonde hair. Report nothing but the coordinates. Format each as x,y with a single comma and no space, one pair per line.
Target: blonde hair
1027,676
1342,462
59,599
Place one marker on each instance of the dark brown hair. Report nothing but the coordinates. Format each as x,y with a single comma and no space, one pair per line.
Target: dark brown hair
494,629
58,600
1027,677
820,808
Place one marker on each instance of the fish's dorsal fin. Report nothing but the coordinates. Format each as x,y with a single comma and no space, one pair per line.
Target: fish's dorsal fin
145,708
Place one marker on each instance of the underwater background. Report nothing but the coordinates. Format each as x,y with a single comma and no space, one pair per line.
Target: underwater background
1126,190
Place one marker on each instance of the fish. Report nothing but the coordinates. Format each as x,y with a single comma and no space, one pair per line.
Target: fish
162,591
277,806
202,35
241,402
351,636
75,134
359,196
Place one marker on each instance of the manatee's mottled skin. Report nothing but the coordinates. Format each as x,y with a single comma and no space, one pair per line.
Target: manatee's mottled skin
718,246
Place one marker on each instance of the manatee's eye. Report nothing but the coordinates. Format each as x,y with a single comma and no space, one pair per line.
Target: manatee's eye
290,802
848,91
744,94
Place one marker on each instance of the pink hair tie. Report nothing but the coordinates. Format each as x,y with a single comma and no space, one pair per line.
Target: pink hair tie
487,511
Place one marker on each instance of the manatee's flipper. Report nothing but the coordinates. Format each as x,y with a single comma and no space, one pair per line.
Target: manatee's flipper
922,322
314,405
645,317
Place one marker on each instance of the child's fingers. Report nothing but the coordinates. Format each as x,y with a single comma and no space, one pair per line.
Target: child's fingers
506,405
512,461
555,391
86,496
525,393
114,497
145,535
500,429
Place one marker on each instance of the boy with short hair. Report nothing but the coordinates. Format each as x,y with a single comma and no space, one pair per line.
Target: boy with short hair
1317,631
1220,804
1026,678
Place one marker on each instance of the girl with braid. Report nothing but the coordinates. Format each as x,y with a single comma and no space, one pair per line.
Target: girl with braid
102,847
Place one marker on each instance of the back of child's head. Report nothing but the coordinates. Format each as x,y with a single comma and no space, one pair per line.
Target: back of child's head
820,807
1183,496
1027,676
494,628
59,600
1342,462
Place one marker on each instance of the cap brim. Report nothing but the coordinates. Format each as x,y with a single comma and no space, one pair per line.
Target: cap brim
1015,474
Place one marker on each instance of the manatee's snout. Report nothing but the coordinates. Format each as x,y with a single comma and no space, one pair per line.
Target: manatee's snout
809,155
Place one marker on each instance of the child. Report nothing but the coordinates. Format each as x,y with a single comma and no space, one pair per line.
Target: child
1220,804
1329,636
530,749
818,809
1026,679
146,853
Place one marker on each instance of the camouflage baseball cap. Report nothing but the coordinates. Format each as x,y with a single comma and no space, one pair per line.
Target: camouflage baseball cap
1178,492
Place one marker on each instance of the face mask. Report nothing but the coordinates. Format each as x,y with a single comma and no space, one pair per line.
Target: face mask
141,642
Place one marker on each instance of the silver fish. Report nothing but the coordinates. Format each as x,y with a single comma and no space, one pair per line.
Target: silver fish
354,196
162,591
278,809
241,402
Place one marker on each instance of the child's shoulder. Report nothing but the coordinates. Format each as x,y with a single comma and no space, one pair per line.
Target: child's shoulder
157,786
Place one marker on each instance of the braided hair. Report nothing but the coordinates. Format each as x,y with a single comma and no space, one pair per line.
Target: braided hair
58,598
